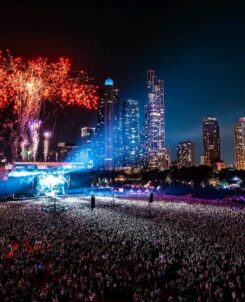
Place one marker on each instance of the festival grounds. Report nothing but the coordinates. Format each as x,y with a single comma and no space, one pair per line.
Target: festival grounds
123,250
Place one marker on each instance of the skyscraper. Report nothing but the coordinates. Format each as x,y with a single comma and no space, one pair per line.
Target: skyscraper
131,136
106,125
154,120
118,131
239,130
164,158
87,139
185,154
211,141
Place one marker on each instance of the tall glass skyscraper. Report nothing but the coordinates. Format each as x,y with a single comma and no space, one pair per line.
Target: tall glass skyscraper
118,130
211,141
239,131
185,154
106,130
131,136
154,121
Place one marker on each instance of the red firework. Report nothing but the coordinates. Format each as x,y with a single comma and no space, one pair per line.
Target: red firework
26,85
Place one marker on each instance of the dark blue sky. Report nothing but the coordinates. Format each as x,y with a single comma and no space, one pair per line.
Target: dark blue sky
196,47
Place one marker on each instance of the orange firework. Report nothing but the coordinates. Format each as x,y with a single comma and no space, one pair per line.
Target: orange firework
22,83
26,85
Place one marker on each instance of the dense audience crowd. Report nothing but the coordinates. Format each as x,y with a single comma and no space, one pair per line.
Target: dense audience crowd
133,252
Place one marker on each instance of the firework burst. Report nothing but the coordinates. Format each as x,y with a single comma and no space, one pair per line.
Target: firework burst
25,86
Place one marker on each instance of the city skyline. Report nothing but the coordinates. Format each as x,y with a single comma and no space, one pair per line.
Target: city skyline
120,120
154,109
174,154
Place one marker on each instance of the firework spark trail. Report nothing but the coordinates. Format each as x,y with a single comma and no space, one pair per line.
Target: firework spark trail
34,127
47,136
27,85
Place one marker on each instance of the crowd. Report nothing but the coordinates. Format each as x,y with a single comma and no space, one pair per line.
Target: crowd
128,252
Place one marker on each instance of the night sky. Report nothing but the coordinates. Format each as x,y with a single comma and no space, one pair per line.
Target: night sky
197,48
